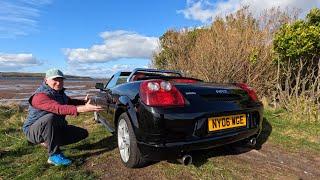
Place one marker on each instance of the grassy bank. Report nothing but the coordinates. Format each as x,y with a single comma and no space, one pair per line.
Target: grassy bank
97,155
294,135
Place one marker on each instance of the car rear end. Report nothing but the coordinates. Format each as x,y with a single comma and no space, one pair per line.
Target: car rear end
180,115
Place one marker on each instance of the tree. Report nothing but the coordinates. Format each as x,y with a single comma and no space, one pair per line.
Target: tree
300,40
297,53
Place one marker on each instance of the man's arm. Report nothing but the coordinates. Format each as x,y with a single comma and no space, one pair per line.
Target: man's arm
44,102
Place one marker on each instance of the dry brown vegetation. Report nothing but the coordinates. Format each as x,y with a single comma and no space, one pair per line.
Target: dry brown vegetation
298,91
239,48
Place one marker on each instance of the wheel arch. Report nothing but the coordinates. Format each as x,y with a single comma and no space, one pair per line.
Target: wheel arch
125,105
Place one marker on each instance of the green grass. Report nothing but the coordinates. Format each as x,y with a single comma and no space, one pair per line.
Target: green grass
291,134
20,160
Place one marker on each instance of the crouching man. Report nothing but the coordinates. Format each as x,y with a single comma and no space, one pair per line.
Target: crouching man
46,123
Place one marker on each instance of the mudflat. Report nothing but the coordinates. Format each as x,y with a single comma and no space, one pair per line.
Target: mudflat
17,90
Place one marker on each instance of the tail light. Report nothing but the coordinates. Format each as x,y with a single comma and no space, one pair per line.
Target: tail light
160,93
249,90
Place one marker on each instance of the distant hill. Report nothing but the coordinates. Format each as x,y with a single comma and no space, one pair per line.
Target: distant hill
36,75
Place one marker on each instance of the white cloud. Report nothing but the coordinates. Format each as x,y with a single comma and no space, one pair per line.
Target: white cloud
116,45
305,6
98,70
13,62
205,11
19,17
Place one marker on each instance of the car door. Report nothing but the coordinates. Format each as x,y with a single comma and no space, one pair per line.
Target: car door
104,99
113,95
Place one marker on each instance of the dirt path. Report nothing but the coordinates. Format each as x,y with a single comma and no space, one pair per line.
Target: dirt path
270,162
274,162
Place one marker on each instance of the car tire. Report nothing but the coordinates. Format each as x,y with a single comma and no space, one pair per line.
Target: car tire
127,143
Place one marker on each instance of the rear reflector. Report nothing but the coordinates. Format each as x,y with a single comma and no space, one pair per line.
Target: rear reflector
160,93
249,90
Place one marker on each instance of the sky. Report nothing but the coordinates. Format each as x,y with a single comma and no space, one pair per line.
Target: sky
97,38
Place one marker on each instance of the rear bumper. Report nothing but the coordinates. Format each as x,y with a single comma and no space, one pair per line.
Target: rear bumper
176,149
167,133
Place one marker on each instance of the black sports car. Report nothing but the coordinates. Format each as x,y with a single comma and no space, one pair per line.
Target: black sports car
159,114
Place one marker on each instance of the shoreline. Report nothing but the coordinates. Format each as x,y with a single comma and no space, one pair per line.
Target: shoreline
17,91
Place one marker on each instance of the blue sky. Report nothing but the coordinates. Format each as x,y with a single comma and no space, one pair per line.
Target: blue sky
99,37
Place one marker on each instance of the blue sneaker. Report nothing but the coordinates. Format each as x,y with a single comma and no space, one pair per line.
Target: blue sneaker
59,160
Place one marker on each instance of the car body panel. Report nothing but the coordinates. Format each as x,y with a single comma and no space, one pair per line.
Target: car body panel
180,129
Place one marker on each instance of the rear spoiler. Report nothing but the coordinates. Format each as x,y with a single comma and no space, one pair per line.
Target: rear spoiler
152,70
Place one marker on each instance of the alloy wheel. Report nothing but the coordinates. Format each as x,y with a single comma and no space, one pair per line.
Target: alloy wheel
123,140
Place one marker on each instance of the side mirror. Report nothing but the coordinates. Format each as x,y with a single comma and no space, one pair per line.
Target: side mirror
99,86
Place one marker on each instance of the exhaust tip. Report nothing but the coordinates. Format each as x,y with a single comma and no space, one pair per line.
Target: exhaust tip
252,141
186,160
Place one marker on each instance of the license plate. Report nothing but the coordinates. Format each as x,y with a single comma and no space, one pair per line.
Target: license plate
227,122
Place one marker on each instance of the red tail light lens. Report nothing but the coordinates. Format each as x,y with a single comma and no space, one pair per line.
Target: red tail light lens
160,93
249,90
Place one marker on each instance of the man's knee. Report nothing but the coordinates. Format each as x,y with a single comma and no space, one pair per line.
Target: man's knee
53,120
51,116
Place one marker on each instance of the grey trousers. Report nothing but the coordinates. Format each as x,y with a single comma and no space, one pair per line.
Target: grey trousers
54,131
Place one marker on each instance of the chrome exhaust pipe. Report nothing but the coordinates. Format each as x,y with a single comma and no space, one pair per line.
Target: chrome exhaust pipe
185,160
252,142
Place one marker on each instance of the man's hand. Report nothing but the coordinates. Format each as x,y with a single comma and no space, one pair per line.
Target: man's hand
86,99
88,108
